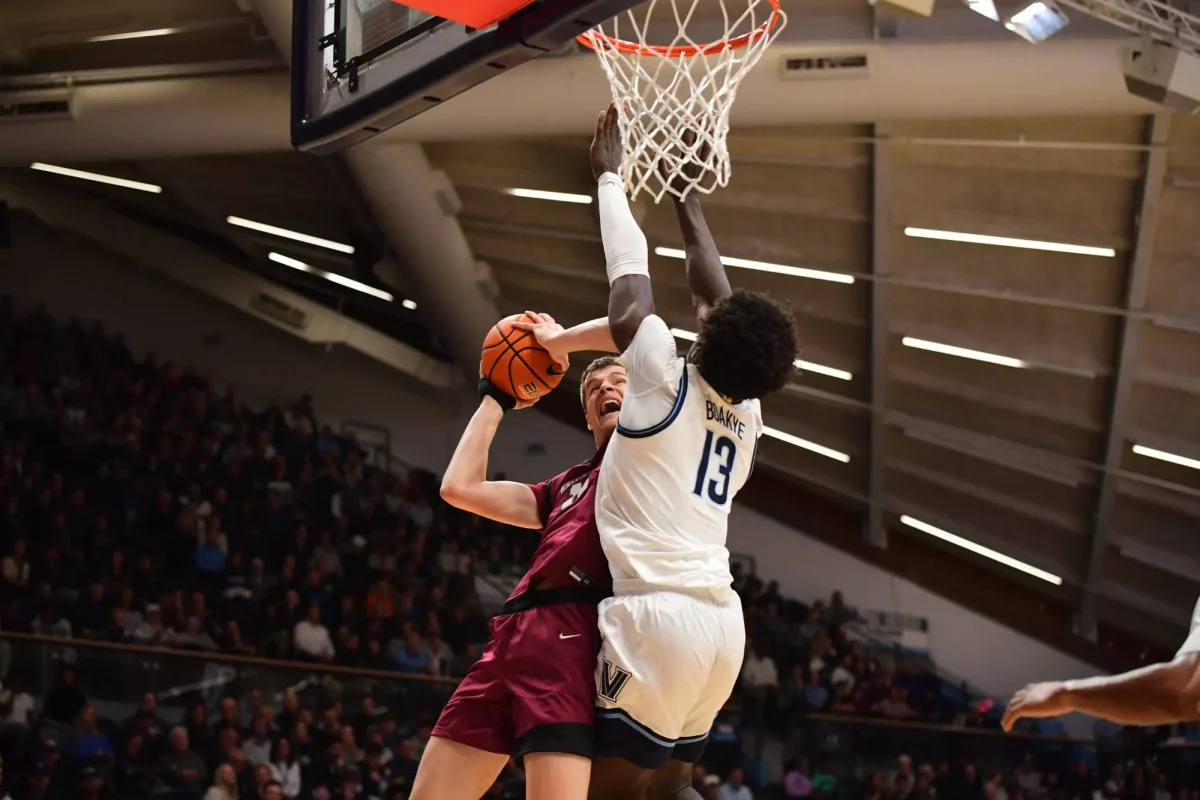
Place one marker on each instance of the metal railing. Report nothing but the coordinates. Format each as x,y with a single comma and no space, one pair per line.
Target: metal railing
117,676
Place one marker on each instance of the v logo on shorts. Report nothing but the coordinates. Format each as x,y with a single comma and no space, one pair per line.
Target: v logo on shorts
612,681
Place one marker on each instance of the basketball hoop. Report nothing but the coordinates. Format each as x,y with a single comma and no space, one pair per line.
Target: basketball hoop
664,91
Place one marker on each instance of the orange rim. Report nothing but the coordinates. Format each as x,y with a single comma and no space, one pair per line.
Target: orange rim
685,50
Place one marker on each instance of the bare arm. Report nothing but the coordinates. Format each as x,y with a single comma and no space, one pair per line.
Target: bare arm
1160,694
705,273
594,335
465,484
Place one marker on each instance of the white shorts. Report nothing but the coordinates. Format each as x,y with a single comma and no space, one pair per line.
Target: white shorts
667,664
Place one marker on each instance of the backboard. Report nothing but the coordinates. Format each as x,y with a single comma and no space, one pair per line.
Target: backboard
360,67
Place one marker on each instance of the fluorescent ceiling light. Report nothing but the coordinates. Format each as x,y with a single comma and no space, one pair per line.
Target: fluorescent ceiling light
117,37
286,234
1004,241
92,176
330,276
558,197
962,352
796,441
409,304
979,549
841,374
762,266
1162,455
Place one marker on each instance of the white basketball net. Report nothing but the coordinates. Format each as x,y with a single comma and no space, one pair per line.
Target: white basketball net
662,93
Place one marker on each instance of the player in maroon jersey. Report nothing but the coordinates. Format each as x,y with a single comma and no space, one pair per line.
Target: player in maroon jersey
533,692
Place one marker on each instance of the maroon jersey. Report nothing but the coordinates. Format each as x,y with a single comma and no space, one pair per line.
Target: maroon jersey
570,547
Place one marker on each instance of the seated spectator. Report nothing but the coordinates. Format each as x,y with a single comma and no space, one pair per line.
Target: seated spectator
895,705
311,638
183,766
285,769
209,558
133,775
16,705
258,746
65,700
49,623
412,657
795,783
151,631
734,787
758,671
86,741
224,785
16,566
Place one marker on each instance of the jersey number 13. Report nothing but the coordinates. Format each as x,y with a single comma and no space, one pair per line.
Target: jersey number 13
718,456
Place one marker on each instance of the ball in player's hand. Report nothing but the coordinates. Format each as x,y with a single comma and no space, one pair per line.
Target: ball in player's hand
515,363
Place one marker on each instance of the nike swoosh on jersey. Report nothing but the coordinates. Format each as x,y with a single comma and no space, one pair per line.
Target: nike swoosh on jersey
572,636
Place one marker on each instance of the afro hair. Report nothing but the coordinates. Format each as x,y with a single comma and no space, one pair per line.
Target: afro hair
747,347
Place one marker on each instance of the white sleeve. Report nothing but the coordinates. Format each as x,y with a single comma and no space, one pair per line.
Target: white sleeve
653,368
625,249
1192,643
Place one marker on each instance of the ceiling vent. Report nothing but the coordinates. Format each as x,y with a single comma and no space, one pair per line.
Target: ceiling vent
815,66
36,106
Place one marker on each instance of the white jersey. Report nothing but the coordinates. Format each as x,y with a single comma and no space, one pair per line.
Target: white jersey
679,456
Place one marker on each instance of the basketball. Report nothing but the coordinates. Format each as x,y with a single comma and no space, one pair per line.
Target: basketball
516,363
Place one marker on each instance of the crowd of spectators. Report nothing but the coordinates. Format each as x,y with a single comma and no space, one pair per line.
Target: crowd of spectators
144,504
308,746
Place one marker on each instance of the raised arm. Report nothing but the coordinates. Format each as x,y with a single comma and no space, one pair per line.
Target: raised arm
626,254
705,273
465,484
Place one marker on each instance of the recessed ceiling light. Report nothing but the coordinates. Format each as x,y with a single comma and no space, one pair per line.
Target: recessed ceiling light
409,304
796,441
809,366
98,178
763,266
979,549
262,227
1162,455
1005,241
558,197
962,352
342,280
117,37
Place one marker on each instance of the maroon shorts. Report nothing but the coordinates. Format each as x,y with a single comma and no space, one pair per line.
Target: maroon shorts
534,688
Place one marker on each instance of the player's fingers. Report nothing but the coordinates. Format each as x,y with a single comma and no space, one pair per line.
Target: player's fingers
524,326
534,316
600,122
611,116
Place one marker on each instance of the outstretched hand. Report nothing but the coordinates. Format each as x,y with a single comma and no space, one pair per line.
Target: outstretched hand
606,151
1036,701
546,331
692,169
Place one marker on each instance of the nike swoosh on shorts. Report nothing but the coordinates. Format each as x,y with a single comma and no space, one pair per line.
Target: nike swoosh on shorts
572,636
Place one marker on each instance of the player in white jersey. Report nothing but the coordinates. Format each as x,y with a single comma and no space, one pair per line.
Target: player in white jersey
688,429
1160,694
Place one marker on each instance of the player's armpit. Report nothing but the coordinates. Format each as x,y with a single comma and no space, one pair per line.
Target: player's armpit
630,302
506,502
